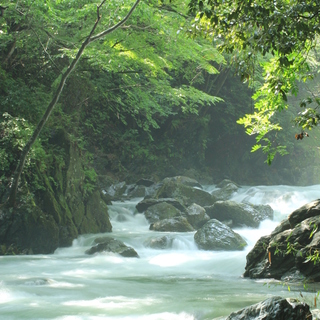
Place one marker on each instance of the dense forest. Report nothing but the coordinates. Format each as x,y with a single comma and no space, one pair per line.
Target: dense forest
155,97
150,95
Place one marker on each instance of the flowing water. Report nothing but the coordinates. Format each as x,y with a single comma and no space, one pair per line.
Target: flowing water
177,283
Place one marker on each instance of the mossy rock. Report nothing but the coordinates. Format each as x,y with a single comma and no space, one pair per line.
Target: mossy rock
28,229
185,194
96,218
161,211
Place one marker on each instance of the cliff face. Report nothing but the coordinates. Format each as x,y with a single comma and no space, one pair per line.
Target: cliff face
57,214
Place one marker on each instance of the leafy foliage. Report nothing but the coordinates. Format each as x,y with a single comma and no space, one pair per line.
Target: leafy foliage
14,133
282,37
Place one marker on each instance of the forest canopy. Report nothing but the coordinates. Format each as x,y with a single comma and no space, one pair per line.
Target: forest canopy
161,89
281,38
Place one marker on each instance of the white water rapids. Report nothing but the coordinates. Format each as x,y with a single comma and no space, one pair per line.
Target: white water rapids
173,284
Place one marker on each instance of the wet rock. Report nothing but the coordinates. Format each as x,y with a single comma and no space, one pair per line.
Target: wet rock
226,182
148,202
144,182
115,191
240,214
262,212
28,230
96,217
309,210
121,217
274,308
164,242
185,194
282,226
287,253
257,259
196,215
215,235
183,180
161,211
136,191
112,245
176,224
226,191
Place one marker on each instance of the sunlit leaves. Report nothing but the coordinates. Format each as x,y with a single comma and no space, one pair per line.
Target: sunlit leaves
249,30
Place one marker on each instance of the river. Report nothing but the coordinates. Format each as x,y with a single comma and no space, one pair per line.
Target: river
173,284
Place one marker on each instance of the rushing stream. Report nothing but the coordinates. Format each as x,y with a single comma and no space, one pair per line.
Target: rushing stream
178,283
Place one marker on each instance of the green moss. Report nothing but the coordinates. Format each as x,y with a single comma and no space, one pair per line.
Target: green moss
97,217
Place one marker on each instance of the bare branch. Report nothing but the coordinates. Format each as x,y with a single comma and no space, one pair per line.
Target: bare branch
116,26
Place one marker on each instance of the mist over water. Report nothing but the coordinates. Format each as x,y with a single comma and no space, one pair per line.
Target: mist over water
181,282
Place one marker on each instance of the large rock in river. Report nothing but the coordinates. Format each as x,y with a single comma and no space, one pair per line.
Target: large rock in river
185,194
148,202
272,309
176,224
290,252
183,180
236,214
161,211
163,242
227,189
215,235
112,245
196,215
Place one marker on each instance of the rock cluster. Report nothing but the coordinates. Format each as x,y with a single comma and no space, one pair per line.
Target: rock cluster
291,251
180,204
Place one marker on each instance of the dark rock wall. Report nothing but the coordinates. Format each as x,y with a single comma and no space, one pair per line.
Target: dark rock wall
57,214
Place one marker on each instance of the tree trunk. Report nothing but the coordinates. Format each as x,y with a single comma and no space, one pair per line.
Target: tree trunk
17,174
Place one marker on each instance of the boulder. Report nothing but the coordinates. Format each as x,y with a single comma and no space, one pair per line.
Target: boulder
225,182
176,224
183,180
262,211
309,210
96,217
240,214
196,215
215,235
161,211
274,308
144,182
148,202
112,245
159,242
290,252
226,191
115,191
185,194
136,191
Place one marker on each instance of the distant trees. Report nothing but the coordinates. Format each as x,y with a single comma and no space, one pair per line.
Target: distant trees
281,37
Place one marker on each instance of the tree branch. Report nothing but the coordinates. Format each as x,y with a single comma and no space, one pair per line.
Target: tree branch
17,174
120,23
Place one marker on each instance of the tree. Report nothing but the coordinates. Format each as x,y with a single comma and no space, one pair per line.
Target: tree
279,37
90,38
